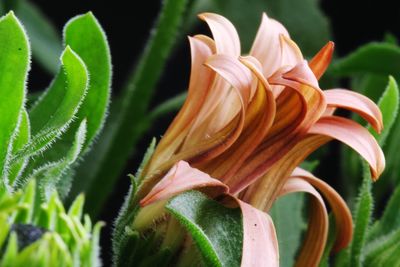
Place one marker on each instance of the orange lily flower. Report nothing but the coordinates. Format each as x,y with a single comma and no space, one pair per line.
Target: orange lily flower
246,125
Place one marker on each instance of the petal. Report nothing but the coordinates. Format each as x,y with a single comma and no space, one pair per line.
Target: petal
201,79
317,233
291,53
285,133
355,136
224,33
182,178
267,45
260,245
259,118
365,107
343,219
320,62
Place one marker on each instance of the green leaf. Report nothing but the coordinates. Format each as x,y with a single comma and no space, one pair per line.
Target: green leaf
390,219
303,25
56,109
389,106
49,174
289,224
215,229
14,65
362,218
94,51
378,253
136,96
21,139
377,58
44,38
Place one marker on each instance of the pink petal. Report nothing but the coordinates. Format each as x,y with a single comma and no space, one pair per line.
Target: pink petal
179,179
267,45
365,107
260,245
224,33
343,219
355,136
315,240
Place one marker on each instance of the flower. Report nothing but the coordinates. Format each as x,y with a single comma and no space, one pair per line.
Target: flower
246,125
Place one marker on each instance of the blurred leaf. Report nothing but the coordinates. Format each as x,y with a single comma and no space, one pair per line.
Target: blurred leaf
215,229
21,139
14,64
55,110
390,219
377,58
49,174
304,24
136,96
289,224
44,39
381,251
170,105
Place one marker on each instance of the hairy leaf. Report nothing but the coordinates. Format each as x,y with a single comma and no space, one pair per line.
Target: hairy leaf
56,109
14,65
215,229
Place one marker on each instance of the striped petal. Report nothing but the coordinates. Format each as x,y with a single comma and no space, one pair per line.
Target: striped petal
320,62
362,105
182,178
201,80
315,240
355,136
284,136
224,33
343,219
259,118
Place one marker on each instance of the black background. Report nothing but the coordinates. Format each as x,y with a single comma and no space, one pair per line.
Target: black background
127,24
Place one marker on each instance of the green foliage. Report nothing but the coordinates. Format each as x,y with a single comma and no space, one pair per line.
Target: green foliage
14,65
360,249
56,109
62,238
215,229
28,196
365,59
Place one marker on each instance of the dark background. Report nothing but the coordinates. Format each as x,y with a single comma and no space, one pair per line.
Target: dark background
127,26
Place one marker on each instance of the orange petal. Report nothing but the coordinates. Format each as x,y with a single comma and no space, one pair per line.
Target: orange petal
320,62
343,219
365,107
224,33
355,136
201,79
259,118
179,179
260,245
315,240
